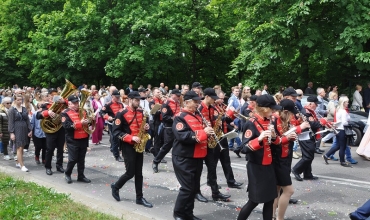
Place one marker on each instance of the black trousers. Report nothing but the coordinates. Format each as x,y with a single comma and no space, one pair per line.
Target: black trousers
224,158
211,164
114,142
158,139
40,146
54,140
188,172
134,167
168,139
76,155
308,154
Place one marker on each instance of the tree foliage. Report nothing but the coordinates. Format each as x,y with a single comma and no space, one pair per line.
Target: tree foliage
180,41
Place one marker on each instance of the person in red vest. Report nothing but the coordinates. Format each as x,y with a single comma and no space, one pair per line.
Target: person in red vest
76,138
109,111
126,128
308,146
188,152
258,139
169,109
56,139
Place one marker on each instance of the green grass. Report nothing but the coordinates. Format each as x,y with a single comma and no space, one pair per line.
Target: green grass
27,200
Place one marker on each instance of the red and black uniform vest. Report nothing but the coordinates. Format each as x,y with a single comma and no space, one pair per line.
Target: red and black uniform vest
208,113
72,124
258,152
44,113
127,124
190,138
110,109
169,110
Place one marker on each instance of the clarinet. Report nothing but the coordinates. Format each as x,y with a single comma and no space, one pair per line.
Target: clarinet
304,118
272,129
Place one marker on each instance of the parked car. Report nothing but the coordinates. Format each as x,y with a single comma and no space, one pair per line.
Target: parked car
358,121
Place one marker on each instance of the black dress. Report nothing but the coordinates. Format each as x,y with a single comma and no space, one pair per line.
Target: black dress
260,169
20,125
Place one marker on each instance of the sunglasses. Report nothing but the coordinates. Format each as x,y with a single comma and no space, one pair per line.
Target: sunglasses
299,94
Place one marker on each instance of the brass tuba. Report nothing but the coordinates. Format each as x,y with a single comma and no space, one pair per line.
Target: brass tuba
52,125
87,112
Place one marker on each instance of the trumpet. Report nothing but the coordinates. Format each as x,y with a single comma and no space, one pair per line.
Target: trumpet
293,129
329,126
237,114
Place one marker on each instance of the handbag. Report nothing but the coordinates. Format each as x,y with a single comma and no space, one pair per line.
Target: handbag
348,131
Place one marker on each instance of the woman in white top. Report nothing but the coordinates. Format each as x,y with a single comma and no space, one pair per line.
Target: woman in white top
342,116
357,99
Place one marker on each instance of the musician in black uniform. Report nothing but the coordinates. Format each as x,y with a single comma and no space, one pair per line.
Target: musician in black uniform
169,110
282,156
189,150
109,112
209,112
126,128
56,139
308,146
158,99
247,111
77,139
223,155
258,139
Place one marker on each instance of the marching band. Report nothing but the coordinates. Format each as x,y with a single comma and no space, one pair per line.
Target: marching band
195,125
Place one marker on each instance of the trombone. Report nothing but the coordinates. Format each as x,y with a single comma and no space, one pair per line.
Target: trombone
238,114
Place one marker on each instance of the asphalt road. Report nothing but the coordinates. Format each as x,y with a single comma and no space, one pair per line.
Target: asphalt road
338,191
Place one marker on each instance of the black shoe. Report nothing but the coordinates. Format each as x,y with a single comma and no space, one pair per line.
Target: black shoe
237,152
219,187
163,161
200,198
234,185
326,159
220,197
155,167
177,217
311,178
344,164
84,180
297,176
143,202
350,215
68,179
322,151
60,169
119,159
115,192
318,151
195,218
293,201
49,172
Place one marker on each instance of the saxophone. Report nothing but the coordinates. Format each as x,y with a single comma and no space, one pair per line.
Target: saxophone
87,112
143,135
212,143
